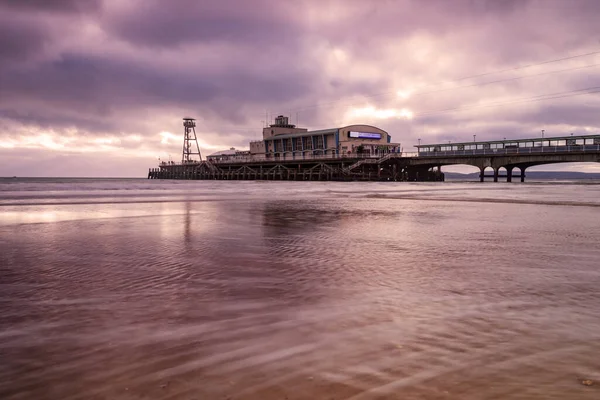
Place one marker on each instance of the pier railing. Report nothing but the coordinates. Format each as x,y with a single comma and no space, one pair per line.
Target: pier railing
300,157
297,157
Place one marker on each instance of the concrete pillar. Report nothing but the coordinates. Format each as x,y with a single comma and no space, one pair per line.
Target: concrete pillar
509,174
496,174
481,174
522,174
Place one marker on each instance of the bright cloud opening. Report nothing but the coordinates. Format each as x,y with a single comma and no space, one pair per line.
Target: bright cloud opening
167,137
373,112
5,144
404,94
134,138
106,141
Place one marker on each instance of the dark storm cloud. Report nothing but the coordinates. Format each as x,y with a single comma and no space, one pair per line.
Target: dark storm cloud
98,88
28,27
51,5
101,86
98,84
372,21
47,119
18,41
154,23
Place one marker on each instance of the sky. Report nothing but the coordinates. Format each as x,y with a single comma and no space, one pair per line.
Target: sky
100,87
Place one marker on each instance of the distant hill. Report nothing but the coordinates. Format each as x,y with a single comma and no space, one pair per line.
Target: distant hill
533,175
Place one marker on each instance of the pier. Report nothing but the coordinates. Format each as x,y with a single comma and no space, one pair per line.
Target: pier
366,153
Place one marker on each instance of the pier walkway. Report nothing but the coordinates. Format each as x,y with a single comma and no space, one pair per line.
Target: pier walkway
509,155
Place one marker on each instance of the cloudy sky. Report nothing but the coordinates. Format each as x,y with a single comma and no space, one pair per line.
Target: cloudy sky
99,87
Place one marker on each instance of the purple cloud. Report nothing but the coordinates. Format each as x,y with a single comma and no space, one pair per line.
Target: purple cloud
51,6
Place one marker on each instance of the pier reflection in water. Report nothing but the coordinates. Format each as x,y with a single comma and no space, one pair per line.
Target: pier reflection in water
317,296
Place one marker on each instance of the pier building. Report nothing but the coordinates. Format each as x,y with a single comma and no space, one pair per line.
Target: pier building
284,140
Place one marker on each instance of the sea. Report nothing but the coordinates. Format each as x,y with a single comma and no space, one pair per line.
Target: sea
150,289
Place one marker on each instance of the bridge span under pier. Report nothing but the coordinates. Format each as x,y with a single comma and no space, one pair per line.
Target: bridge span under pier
424,165
509,162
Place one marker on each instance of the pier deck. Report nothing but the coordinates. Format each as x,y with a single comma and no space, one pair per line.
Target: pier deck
387,167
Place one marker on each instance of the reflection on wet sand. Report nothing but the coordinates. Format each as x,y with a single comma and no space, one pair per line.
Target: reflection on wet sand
332,298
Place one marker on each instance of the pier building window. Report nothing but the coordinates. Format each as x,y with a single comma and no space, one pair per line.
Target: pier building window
288,145
298,144
308,143
319,142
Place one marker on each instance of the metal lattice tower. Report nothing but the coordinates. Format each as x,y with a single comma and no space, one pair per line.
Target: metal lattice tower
189,137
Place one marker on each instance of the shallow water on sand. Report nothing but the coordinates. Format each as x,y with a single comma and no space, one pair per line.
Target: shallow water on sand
134,289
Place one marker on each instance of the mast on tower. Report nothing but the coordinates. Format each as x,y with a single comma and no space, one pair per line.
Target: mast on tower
189,139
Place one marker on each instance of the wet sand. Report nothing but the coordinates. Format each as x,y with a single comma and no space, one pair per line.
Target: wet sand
330,292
